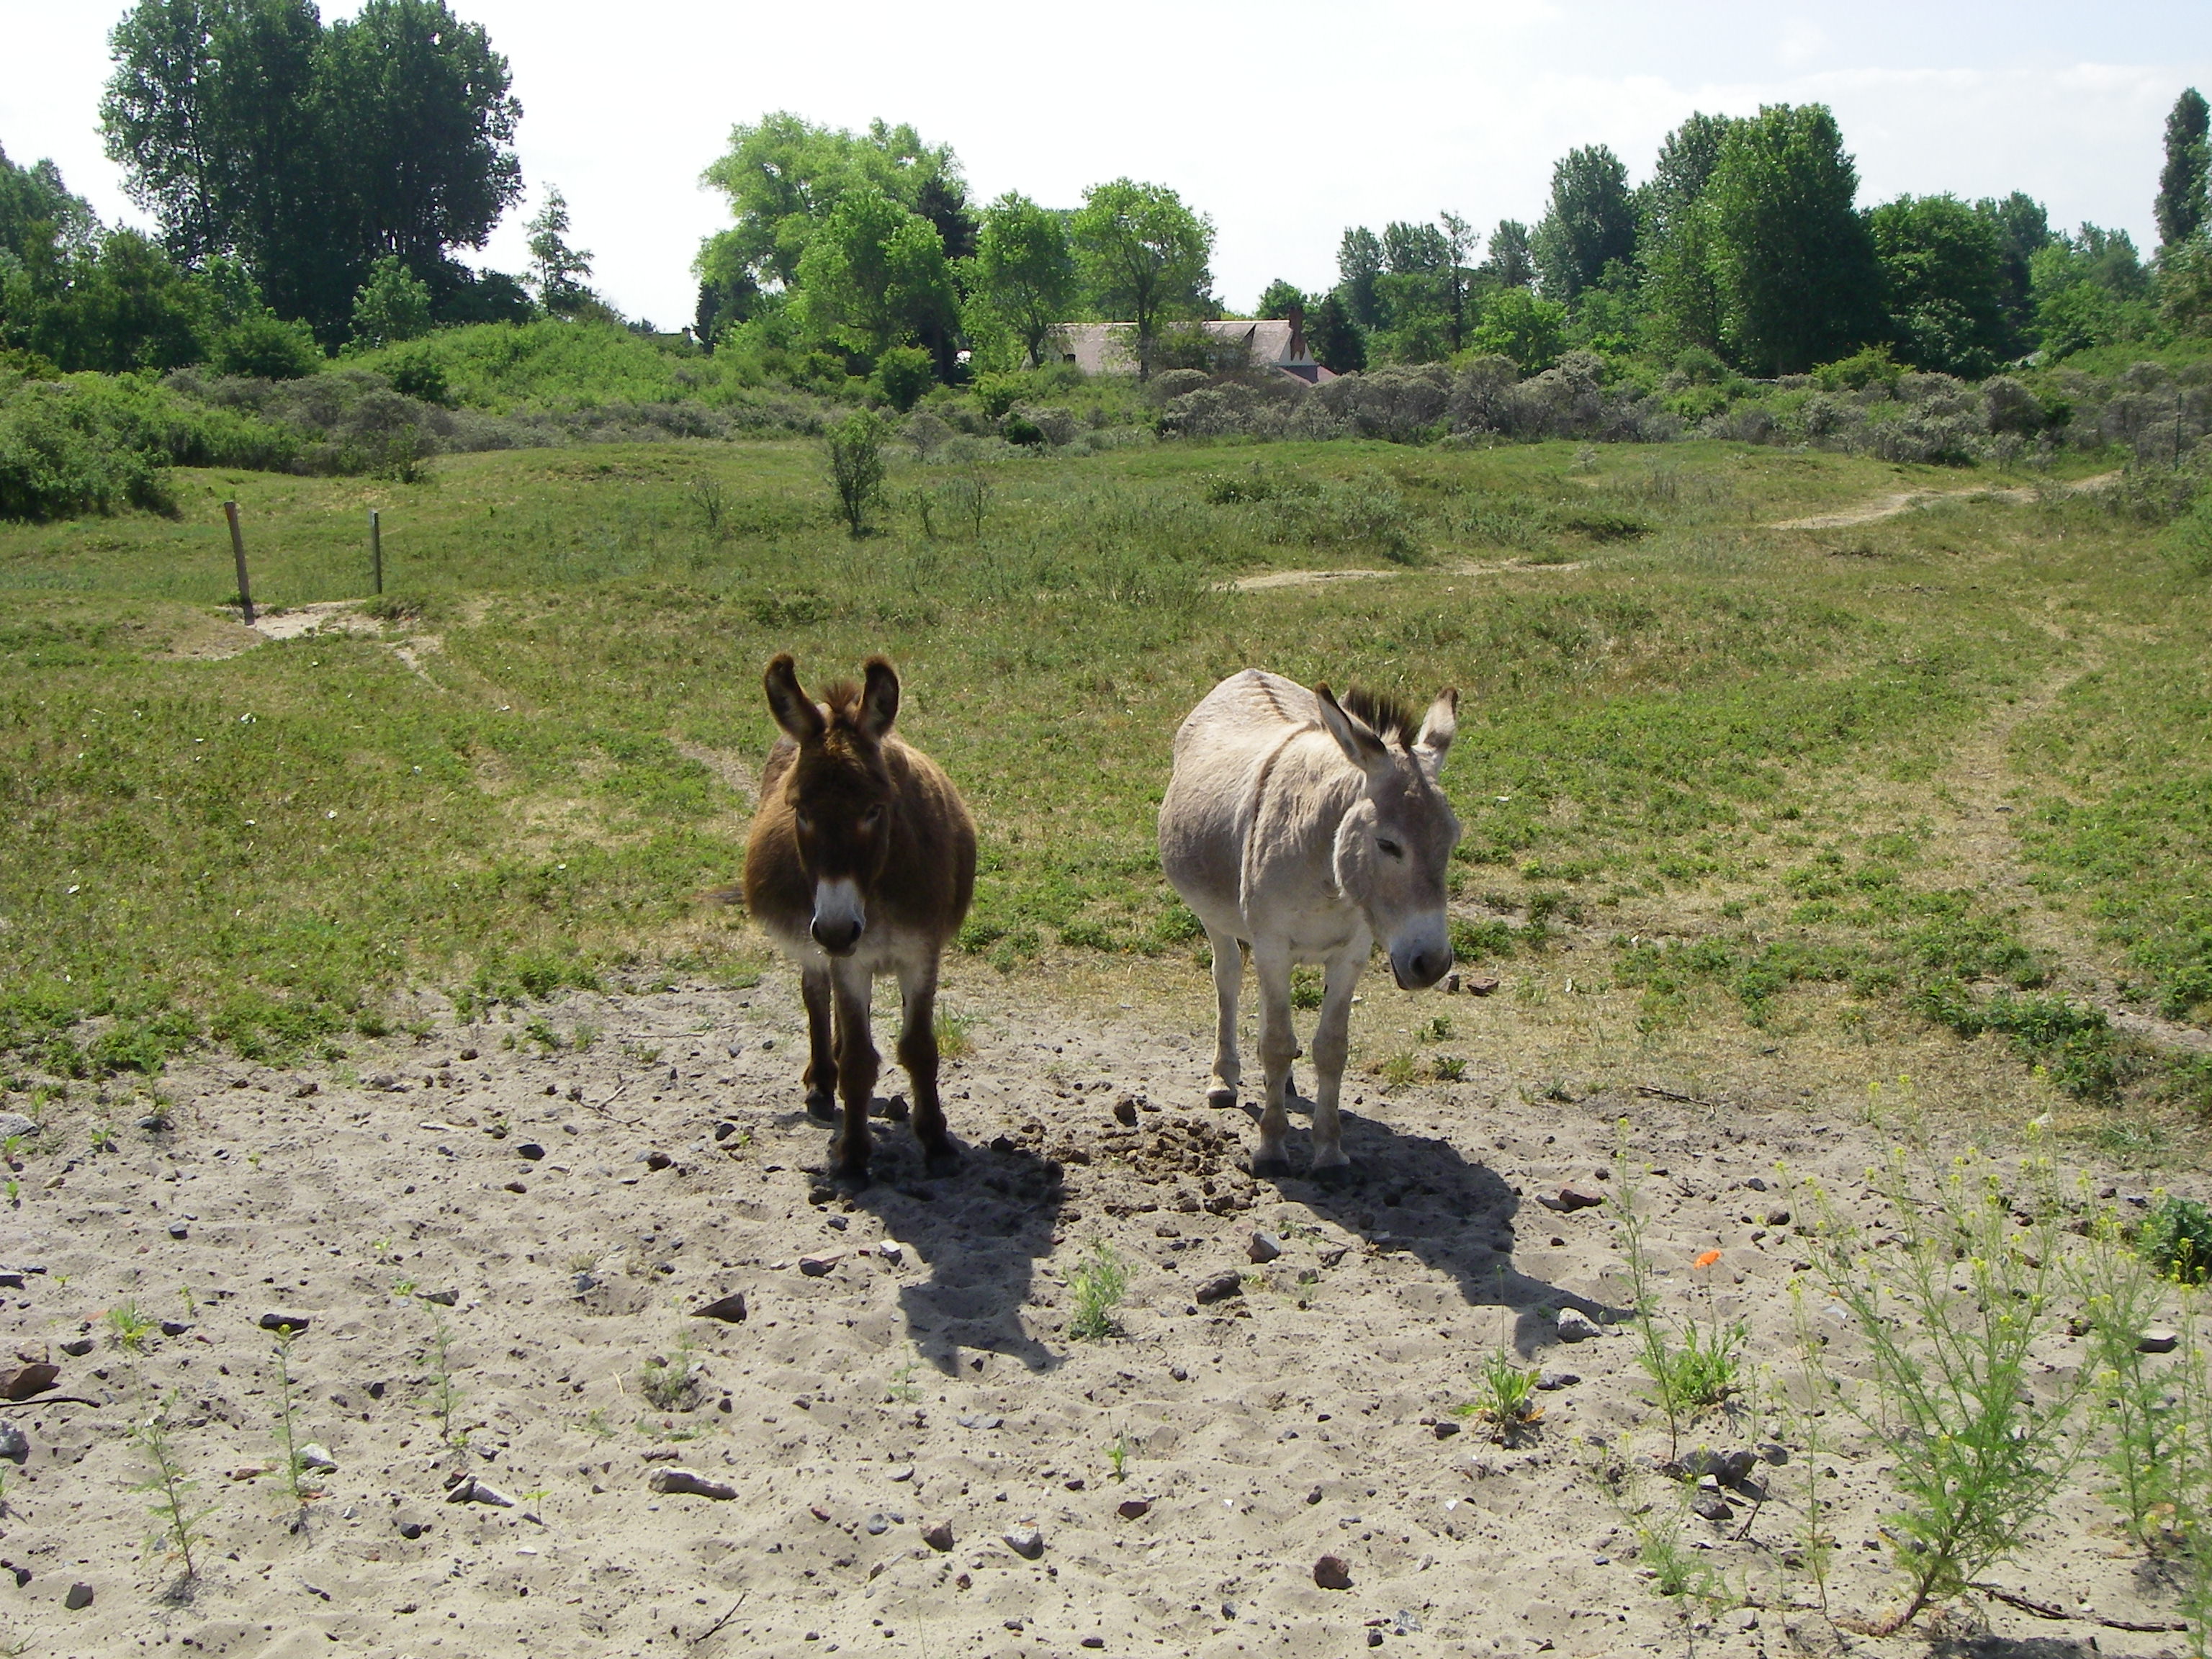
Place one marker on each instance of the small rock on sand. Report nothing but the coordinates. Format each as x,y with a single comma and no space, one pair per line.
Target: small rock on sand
284,1321
1026,1542
1331,1573
1576,1326
1569,1199
816,1267
1553,1382
2158,1341
315,1459
79,1597
1264,1247
1219,1288
14,1126
14,1444
691,1483
891,1251
1712,1506
730,1310
470,1490
939,1537
1134,1508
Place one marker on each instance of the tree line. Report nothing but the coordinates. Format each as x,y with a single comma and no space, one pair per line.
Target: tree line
314,186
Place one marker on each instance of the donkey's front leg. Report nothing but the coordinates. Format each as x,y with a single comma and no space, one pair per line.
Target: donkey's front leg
1228,985
857,1067
917,1052
820,1060
1332,1043
1278,1047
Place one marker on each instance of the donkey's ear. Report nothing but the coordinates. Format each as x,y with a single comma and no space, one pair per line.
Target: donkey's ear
794,709
879,699
1438,728
1361,746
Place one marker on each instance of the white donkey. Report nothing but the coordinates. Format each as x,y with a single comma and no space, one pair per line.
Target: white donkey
1302,830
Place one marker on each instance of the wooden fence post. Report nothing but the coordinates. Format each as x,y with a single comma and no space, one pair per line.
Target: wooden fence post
238,552
376,546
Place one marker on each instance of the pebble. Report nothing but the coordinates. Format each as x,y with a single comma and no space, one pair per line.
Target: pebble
1219,1288
1712,1506
15,1125
2158,1341
877,1524
1572,1198
443,1299
655,1159
1576,1326
939,1537
815,1266
154,1122
314,1457
1134,1508
691,1483
1374,1639
1444,1428
175,1327
470,1490
1553,1382
78,1347
284,1321
1774,1452
1330,1573
79,1597
1092,1642
14,1444
892,1251
980,1421
583,1282
1026,1542
1778,1216
1264,1247
730,1310
178,1229
530,1150
412,1530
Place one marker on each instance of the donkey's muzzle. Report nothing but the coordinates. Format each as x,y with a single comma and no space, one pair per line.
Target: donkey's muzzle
839,917
1417,970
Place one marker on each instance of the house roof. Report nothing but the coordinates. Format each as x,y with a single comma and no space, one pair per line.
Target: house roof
1110,348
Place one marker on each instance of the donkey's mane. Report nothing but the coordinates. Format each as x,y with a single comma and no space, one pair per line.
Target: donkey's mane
842,699
1391,720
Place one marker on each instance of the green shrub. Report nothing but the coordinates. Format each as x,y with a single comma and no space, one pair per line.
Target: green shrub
2176,1238
266,348
904,374
58,460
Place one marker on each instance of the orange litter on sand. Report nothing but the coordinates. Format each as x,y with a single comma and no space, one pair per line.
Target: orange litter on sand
1707,1259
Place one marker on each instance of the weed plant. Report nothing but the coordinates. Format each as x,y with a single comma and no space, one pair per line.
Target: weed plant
1095,1289
1693,1368
2176,1239
290,1467
446,1395
1505,1398
1949,1316
672,1384
179,1525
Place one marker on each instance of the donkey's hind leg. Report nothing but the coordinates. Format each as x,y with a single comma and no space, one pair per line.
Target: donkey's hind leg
820,1057
858,1064
917,1052
1228,985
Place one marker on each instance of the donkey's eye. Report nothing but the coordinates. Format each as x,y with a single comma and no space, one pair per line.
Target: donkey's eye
806,823
873,815
1391,849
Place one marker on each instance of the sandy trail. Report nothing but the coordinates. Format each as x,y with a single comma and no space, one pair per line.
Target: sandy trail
560,1214
1903,501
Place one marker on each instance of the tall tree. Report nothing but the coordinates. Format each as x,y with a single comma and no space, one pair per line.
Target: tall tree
1942,277
1335,337
1681,286
1142,254
1359,263
1025,270
784,176
36,206
2181,182
1796,260
1278,299
2023,230
874,277
1510,264
1591,222
560,276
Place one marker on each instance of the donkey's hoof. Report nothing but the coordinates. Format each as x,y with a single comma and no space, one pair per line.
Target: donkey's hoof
942,1160
852,1177
821,1105
1270,1169
1332,1175
1221,1097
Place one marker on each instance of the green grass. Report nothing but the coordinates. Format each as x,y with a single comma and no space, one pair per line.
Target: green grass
263,847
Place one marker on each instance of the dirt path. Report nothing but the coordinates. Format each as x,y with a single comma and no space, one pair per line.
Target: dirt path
906,1362
1977,823
1903,501
1274,579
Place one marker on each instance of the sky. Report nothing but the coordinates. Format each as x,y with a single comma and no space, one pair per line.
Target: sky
1284,121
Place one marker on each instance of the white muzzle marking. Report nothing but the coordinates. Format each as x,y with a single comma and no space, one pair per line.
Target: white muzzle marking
839,916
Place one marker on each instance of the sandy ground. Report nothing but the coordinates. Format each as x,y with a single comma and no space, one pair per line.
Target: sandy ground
559,1216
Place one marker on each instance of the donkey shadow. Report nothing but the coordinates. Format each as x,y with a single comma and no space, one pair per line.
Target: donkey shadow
978,1233
1420,1195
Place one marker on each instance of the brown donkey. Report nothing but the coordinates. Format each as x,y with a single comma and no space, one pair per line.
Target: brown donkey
862,861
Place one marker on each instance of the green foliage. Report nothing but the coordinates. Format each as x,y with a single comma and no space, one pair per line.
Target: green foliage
1517,324
2121,1290
904,374
1693,1368
1589,224
1333,338
855,448
874,276
1942,275
62,455
1796,264
1025,272
1506,1396
2182,205
1142,257
2176,1240
178,1524
1096,1287
560,276
1951,1317
393,304
267,349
